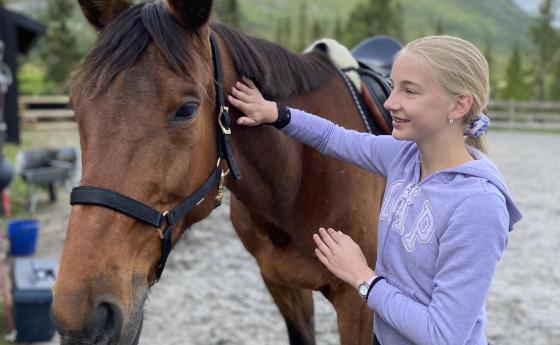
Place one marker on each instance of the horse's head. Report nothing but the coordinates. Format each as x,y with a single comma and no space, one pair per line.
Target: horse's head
145,105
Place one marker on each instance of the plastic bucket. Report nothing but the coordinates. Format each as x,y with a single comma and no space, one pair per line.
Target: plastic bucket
23,236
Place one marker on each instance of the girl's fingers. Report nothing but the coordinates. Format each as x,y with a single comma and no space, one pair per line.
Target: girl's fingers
237,103
321,245
247,121
239,94
244,88
322,258
335,235
249,82
327,238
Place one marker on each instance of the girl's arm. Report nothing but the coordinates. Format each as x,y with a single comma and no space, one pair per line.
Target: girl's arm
370,152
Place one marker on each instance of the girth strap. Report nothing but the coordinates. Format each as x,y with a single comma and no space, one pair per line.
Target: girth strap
85,195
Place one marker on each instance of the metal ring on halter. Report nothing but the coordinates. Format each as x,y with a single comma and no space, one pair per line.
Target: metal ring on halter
225,130
218,165
164,215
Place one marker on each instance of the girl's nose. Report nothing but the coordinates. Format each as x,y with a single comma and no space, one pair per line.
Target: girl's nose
391,103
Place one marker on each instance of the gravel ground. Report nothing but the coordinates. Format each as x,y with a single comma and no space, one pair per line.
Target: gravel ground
212,294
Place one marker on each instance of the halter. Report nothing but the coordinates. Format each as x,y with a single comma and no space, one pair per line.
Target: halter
86,195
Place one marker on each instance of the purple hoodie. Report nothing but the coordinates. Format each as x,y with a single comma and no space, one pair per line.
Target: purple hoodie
439,239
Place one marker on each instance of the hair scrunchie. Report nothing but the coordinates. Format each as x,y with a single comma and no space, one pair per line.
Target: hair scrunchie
478,126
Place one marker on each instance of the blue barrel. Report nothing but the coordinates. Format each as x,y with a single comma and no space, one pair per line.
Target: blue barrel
23,236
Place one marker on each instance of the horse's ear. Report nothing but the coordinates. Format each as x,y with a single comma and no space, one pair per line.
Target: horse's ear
192,14
100,12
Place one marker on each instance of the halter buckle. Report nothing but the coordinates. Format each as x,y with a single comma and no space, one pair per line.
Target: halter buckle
223,109
160,232
220,194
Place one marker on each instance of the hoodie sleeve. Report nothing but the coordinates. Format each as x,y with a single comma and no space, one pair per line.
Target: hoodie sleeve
370,152
469,250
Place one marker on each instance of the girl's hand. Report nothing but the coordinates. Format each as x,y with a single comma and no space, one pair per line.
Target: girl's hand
246,97
342,256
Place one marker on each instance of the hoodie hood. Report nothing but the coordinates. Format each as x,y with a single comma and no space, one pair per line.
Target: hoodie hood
483,167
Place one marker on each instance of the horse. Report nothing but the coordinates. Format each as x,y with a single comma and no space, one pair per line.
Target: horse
148,102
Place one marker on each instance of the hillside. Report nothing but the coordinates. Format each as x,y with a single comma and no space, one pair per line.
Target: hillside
503,21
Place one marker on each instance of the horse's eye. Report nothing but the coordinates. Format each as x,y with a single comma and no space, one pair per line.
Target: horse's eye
186,112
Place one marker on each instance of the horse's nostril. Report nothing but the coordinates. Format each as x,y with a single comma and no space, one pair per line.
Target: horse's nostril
105,323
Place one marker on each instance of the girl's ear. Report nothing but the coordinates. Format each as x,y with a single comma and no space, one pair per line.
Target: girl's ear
461,106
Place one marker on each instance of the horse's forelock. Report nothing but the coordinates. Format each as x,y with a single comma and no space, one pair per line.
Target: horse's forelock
121,44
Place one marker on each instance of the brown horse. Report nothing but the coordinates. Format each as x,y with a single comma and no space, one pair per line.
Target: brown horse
145,102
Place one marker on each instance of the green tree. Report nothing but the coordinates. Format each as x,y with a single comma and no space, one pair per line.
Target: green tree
302,38
399,24
489,55
317,30
372,18
440,29
228,12
338,28
554,91
283,33
545,39
516,87
61,54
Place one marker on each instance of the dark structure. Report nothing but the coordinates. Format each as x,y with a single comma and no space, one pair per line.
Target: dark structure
18,34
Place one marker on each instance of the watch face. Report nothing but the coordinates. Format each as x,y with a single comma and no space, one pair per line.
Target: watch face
363,289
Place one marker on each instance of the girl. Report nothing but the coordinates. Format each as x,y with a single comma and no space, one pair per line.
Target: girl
446,211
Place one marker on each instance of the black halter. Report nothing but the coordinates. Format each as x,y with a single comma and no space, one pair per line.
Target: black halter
85,195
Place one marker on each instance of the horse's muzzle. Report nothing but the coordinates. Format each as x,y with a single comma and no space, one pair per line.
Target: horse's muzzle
104,327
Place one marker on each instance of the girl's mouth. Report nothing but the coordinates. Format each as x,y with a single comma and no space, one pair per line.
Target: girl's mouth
400,120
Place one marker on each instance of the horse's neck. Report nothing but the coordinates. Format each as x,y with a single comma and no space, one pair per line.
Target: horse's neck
271,163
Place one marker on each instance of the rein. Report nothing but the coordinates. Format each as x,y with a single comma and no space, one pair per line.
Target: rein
88,195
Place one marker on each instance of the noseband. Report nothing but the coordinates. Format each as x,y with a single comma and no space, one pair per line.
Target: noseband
87,195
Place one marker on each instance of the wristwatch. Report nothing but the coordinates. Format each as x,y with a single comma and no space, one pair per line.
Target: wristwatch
363,289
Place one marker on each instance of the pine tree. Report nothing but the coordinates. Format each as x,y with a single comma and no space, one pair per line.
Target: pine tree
338,31
302,39
515,83
372,18
545,39
489,55
229,13
554,91
282,34
439,27
317,30
61,54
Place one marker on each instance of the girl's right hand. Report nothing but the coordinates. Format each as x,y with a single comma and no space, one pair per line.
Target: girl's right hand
246,97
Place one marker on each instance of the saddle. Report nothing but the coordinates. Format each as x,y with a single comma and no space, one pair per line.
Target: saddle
366,71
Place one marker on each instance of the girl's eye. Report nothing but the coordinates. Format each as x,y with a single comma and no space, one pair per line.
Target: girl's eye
410,91
186,112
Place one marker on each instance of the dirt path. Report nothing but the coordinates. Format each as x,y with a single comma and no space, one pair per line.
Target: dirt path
212,294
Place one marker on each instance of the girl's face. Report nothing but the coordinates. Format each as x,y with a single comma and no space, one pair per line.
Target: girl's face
418,103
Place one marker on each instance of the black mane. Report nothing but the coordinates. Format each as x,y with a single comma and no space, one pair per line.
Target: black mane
276,71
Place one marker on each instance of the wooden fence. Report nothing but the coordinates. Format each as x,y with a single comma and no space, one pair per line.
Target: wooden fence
45,112
525,115
53,112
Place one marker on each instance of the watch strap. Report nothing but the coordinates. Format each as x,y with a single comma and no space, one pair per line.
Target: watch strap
375,281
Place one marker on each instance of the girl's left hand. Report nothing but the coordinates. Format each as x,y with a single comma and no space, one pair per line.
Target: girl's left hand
342,256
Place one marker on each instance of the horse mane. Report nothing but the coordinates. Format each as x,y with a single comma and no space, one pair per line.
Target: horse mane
277,72
121,44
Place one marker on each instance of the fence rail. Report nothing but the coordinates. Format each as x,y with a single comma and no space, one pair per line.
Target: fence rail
53,112
45,112
525,115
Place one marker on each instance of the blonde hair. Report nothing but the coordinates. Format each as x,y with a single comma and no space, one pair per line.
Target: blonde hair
460,68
